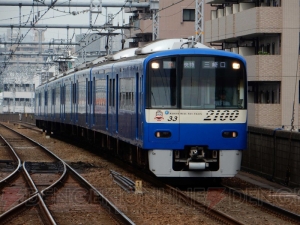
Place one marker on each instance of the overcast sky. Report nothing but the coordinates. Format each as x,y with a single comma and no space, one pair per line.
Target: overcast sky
10,15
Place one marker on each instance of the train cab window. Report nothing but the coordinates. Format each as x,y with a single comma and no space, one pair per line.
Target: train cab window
212,82
163,83
195,82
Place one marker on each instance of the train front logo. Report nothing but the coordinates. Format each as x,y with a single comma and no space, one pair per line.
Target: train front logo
159,115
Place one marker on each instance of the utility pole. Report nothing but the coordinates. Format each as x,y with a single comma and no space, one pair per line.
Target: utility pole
92,6
199,21
154,8
40,33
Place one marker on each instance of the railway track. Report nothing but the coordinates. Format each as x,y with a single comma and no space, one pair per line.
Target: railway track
270,208
218,216
48,189
237,209
208,210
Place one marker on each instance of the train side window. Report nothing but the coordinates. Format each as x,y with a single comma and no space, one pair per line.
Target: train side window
140,93
112,92
73,93
94,91
46,98
53,96
63,94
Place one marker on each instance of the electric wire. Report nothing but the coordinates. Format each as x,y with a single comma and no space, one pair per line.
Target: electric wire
21,39
89,30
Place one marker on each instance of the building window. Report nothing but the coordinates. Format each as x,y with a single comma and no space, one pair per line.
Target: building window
189,15
264,92
273,48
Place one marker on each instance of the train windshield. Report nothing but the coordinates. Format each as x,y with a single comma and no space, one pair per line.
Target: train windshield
197,82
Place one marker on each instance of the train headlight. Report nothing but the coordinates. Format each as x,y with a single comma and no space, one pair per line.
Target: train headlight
230,134
162,134
236,66
155,65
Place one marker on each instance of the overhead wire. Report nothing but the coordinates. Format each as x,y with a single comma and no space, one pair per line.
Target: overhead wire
85,36
101,29
12,52
21,39
88,31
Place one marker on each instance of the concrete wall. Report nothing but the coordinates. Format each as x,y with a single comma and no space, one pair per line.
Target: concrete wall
273,154
15,117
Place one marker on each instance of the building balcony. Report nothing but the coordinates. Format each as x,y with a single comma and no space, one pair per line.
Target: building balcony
266,115
21,94
264,67
232,24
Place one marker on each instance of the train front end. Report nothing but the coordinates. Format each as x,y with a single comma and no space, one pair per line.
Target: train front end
195,122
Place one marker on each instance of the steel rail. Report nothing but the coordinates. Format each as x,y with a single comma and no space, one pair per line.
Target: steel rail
122,181
274,209
217,215
46,213
30,202
63,175
112,209
14,154
33,195
104,201
206,210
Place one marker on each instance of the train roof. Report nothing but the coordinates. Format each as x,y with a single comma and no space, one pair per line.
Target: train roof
168,44
125,53
150,48
200,51
153,49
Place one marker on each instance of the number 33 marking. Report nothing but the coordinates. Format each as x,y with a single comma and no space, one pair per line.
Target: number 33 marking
171,118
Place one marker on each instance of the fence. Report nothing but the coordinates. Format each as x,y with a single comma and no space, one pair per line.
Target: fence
274,154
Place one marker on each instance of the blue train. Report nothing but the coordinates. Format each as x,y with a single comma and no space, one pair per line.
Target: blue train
179,110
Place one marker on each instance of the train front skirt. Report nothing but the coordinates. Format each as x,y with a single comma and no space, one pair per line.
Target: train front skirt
161,164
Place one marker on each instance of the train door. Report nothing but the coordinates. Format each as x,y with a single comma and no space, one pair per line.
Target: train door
68,99
62,102
52,102
137,106
82,82
140,106
57,100
38,104
112,122
46,102
77,100
116,118
74,97
89,100
107,102
49,114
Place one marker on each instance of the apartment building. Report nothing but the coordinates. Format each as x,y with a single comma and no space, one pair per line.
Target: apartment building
266,33
19,79
176,20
